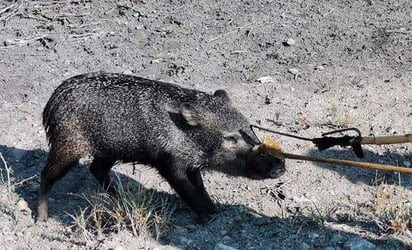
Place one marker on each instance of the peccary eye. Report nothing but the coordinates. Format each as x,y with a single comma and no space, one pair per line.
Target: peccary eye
231,138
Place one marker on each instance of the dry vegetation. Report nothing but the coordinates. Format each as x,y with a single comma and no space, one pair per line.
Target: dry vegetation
393,209
349,66
140,211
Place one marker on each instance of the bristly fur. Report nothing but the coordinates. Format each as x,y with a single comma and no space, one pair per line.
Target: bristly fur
122,117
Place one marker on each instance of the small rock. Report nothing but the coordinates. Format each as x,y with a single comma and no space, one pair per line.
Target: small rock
128,72
305,246
289,42
118,248
140,27
23,207
33,230
267,100
357,243
266,79
254,215
220,246
293,71
407,164
138,36
158,60
315,235
320,67
226,238
185,241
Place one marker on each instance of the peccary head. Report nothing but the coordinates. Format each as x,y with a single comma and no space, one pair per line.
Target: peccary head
219,123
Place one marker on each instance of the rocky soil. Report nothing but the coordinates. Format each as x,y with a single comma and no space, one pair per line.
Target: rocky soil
302,67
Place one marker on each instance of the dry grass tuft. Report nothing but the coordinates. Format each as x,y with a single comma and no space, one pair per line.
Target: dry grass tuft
393,209
139,211
341,117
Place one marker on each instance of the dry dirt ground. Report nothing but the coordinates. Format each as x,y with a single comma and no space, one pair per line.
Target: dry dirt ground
349,64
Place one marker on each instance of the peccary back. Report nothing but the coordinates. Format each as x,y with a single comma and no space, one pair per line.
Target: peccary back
121,117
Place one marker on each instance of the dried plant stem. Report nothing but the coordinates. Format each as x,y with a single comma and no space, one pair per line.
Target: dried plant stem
8,172
12,9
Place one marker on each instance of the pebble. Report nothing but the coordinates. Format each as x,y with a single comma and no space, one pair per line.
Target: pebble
320,67
139,36
220,246
305,246
226,238
293,71
407,164
128,72
357,243
266,79
290,42
255,215
185,241
23,206
315,235
34,230
337,238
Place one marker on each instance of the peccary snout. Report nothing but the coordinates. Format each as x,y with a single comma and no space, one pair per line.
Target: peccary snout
260,166
116,117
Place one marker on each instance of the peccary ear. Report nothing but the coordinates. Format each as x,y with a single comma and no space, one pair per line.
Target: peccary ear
222,94
190,114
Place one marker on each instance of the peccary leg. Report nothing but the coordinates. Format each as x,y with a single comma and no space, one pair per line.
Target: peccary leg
196,179
178,179
100,169
54,170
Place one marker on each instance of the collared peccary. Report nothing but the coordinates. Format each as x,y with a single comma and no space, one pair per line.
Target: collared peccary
177,130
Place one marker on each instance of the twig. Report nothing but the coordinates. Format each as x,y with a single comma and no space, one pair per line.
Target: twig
72,26
7,8
21,42
327,13
238,52
43,38
86,35
61,18
12,8
24,180
8,171
400,31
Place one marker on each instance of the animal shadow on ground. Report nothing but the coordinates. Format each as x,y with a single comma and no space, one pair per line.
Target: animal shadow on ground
367,176
66,198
